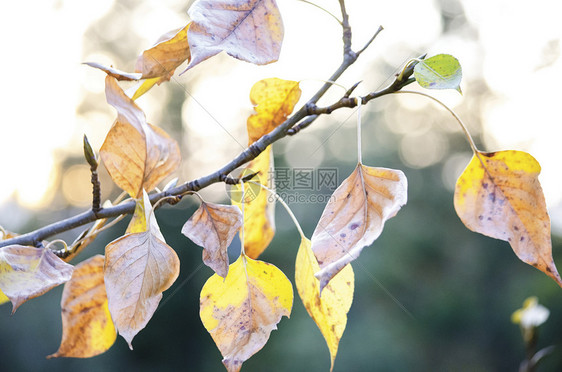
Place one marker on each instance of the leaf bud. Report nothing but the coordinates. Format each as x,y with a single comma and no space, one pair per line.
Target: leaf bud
89,154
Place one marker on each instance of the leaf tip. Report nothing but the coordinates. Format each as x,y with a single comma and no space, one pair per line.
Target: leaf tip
15,305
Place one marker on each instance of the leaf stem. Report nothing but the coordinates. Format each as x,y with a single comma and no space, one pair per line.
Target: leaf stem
285,205
463,126
48,246
242,251
165,199
359,156
319,7
406,66
76,246
196,194
325,82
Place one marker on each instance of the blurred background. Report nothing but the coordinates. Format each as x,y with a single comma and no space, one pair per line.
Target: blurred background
430,295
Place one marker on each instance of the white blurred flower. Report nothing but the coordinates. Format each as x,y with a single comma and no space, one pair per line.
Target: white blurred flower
531,315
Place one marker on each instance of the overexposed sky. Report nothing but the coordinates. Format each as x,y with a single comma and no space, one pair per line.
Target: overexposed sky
516,49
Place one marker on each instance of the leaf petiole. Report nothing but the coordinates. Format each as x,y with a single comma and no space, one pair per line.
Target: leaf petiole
242,251
319,7
48,246
457,118
285,205
406,66
325,82
359,101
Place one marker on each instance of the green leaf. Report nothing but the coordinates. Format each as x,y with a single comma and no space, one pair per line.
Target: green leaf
442,71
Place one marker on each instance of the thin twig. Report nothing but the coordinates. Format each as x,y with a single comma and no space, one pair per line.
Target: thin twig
300,126
93,162
370,41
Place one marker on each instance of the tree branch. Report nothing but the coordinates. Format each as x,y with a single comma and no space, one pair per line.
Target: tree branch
309,112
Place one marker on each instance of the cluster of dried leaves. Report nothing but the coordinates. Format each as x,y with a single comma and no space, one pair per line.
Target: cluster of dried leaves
497,195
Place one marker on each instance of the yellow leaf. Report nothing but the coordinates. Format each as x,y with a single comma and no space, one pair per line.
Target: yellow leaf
29,272
355,216
163,58
136,154
274,99
3,298
241,310
213,226
156,65
499,195
138,268
329,311
259,209
250,30
87,328
142,88
138,221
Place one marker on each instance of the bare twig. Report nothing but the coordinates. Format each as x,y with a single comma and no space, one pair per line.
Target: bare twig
370,41
96,188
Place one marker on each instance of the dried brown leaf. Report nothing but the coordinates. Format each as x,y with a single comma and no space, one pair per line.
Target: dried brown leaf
250,30
213,226
87,328
28,272
136,154
138,268
355,216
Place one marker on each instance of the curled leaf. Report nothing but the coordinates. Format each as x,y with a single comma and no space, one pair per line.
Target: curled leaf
329,311
87,328
136,154
162,59
273,99
355,216
138,268
442,71
499,195
250,30
28,272
241,310
213,226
